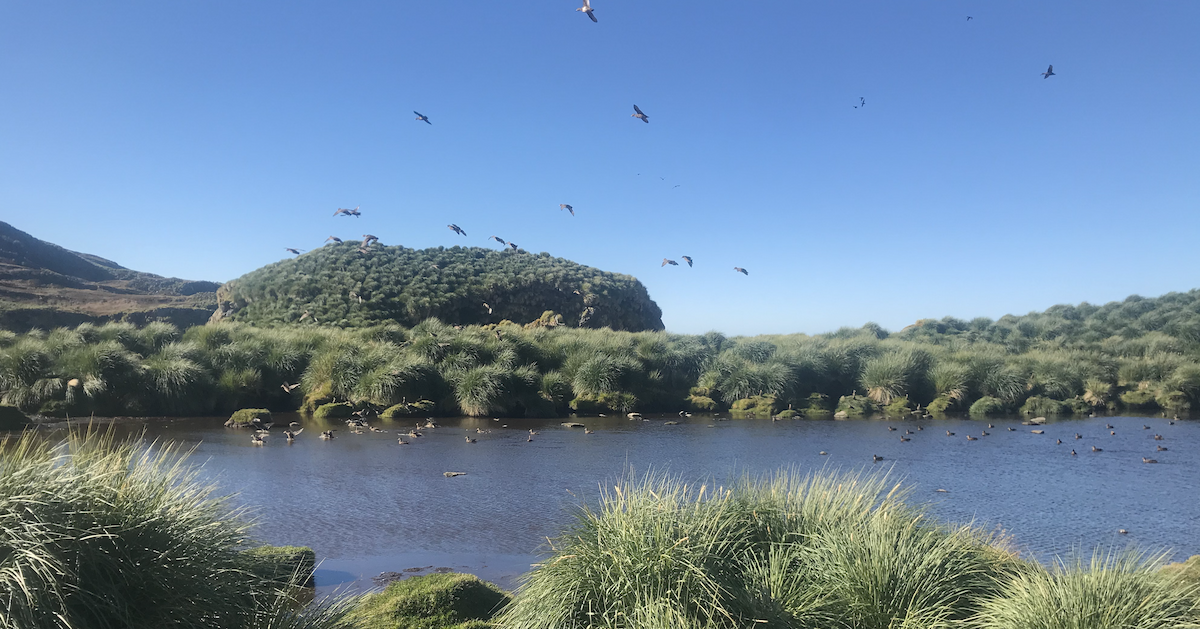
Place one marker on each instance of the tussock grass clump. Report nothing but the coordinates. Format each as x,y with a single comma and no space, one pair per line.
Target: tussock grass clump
786,550
247,417
101,533
435,601
1124,590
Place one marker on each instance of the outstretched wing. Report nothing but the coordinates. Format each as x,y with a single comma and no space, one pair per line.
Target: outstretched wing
591,15
635,108
1050,70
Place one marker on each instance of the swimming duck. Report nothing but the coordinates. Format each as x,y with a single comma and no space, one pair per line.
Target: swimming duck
469,440
401,441
1147,460
949,434
905,439
257,440
890,429
986,433
970,438
1161,449
1011,429
1072,453
1058,442
876,458
1095,449
328,434
1158,437
291,435
1078,436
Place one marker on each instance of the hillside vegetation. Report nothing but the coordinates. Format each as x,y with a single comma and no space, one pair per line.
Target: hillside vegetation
42,285
1138,355
340,285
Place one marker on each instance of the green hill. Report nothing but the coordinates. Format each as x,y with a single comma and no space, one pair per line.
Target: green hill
44,285
340,285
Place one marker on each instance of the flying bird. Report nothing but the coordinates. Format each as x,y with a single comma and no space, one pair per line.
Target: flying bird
456,229
368,239
335,239
489,308
639,115
969,18
687,259
741,270
422,118
353,212
587,8
497,239
564,206
1048,73
290,250
670,262
288,388
513,245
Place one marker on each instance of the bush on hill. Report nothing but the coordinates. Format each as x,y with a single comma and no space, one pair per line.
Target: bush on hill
339,285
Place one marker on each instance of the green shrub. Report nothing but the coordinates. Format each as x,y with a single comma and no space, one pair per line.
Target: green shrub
105,534
435,601
1077,406
1039,406
403,409
834,551
1188,570
789,414
247,416
283,565
818,413
1139,399
702,404
987,406
615,402
11,418
1173,401
940,405
856,406
899,407
754,406
341,410
1123,591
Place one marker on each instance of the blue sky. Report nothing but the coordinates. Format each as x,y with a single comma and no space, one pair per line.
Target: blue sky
199,139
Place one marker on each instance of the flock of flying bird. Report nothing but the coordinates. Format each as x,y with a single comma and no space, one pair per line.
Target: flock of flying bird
587,10
1038,430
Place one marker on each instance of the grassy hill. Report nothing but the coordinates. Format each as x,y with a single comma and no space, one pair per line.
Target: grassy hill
44,285
340,285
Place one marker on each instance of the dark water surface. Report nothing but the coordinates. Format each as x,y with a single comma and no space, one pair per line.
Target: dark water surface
368,505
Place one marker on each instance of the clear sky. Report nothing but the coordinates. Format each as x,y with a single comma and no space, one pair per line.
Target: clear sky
199,139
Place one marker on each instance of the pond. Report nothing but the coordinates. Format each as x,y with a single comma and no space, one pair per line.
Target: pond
368,505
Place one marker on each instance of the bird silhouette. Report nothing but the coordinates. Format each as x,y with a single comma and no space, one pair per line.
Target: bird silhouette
687,259
587,8
1049,72
290,250
456,229
640,116
969,18
368,239
564,206
513,245
422,118
498,239
741,270
354,212
665,262
335,239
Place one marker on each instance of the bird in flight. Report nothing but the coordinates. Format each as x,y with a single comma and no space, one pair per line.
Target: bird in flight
489,308
687,259
368,239
355,213
513,245
639,115
969,18
670,262
288,388
422,118
1048,73
498,239
456,229
587,8
564,206
862,102
741,270
290,250
335,239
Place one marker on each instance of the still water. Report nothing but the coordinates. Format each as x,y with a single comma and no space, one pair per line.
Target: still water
367,504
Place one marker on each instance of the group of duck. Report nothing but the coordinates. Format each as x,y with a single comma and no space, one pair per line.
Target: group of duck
1038,421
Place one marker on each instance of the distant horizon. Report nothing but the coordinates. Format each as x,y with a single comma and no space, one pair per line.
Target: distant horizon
890,329
872,160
